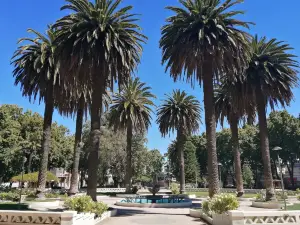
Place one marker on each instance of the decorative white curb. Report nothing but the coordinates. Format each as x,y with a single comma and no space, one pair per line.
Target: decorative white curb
43,204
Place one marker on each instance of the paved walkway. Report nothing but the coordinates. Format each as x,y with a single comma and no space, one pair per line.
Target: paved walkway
150,216
137,216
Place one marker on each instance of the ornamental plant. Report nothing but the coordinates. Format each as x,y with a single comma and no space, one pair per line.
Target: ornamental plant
220,204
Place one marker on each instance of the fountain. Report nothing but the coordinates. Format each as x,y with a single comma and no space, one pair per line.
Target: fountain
154,200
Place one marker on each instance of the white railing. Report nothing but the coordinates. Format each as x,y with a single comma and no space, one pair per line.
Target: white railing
111,190
224,190
8,217
51,218
265,217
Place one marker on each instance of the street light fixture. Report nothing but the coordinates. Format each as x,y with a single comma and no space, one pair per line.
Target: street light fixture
281,175
220,174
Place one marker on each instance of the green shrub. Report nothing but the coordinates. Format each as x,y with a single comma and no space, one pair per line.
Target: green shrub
9,196
206,207
80,204
174,189
281,196
291,193
298,191
261,196
85,204
220,204
99,208
298,197
52,195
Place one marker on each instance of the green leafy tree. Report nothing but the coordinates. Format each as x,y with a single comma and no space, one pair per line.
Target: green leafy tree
155,163
191,167
180,112
131,112
199,41
284,131
270,78
99,43
248,176
36,70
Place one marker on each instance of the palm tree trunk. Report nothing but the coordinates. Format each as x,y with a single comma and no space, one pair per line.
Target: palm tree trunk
128,175
210,122
46,141
264,145
237,156
94,152
181,141
77,148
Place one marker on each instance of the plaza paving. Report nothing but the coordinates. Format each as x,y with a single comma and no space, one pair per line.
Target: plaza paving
136,216
149,216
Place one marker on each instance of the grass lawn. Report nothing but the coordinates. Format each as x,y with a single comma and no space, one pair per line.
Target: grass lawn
205,194
13,206
294,207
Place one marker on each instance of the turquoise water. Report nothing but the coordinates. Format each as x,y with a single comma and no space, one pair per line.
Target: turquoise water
142,200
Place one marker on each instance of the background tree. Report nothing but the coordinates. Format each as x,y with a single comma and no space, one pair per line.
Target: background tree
94,64
180,112
131,112
199,41
20,135
284,131
248,176
270,78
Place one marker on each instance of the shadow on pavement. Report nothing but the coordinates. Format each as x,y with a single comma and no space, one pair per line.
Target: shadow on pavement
131,212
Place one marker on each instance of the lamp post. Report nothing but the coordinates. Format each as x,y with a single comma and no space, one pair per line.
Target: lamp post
22,179
220,174
281,175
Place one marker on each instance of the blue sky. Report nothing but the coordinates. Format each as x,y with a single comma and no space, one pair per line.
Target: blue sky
273,18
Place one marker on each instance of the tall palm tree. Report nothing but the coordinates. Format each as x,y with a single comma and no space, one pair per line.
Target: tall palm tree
131,112
180,112
36,70
201,40
270,77
77,104
99,42
232,104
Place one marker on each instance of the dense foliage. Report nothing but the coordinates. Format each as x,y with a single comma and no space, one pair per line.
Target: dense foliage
284,130
20,136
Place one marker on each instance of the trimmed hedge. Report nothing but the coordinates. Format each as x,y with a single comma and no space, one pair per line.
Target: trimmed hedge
33,177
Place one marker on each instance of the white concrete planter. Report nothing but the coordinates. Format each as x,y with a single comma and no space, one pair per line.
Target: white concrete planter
268,205
43,204
106,215
221,219
245,199
197,213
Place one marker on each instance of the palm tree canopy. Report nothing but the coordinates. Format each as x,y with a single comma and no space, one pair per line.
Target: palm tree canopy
202,32
35,65
231,101
99,40
272,70
132,104
179,111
